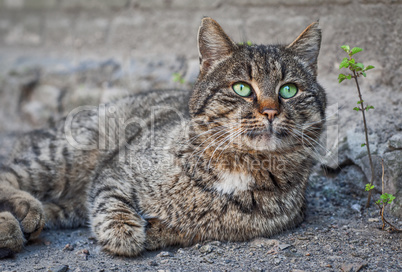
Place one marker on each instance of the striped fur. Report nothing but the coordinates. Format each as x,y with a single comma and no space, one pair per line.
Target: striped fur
149,171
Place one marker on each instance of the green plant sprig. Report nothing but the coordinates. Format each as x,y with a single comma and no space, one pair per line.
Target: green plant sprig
384,200
358,69
177,77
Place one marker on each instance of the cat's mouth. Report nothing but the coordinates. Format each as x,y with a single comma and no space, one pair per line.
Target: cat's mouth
262,132
268,138
265,130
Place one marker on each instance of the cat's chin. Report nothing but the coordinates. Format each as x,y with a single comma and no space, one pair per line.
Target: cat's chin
262,142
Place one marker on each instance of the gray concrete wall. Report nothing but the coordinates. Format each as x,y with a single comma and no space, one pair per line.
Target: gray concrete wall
139,44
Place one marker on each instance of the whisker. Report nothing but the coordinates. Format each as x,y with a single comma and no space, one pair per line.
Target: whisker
235,134
199,154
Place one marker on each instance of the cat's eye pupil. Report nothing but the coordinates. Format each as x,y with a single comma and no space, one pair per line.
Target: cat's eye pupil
288,91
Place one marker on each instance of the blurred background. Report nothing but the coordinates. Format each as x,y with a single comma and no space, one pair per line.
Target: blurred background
56,55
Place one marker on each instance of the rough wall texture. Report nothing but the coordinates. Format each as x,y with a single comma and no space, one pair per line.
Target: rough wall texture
56,55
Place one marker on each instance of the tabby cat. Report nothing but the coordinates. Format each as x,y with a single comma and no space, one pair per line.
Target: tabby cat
229,161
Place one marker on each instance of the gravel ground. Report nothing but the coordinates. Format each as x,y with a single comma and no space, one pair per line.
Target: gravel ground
336,236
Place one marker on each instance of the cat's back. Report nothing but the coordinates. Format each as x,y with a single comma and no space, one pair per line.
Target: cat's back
140,130
146,119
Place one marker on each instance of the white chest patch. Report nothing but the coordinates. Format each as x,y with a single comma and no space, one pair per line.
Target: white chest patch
233,182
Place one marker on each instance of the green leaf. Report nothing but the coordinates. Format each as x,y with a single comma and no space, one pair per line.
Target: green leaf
249,43
346,48
352,61
177,77
341,77
385,197
369,67
349,76
356,50
369,107
359,102
369,187
363,145
359,65
344,63
364,74
356,108
378,202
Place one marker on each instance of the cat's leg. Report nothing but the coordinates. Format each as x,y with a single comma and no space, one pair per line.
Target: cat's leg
114,216
22,216
66,213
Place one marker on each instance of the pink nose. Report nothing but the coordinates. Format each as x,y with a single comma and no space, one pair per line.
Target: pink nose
270,113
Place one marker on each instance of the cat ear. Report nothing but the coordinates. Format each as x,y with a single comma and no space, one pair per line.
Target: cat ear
213,44
307,45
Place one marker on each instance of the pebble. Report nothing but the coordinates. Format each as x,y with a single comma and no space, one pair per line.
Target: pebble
256,269
277,261
219,251
352,267
290,254
215,243
373,220
206,249
263,242
356,207
284,246
197,246
303,238
207,260
68,247
83,253
153,263
164,254
62,268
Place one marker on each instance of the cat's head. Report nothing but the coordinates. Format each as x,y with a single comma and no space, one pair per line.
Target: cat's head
265,96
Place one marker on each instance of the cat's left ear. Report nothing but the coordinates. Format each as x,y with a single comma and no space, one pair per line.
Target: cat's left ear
307,45
213,44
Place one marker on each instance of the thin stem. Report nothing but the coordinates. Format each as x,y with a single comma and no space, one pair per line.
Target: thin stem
366,134
382,209
382,192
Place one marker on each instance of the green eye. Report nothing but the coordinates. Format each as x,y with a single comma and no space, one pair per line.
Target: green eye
242,89
288,90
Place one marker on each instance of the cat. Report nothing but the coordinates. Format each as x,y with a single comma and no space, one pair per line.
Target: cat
228,161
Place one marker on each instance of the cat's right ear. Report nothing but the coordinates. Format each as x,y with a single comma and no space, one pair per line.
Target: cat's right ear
213,44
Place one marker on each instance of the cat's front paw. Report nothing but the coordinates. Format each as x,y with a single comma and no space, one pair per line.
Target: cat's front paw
11,236
29,212
120,234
